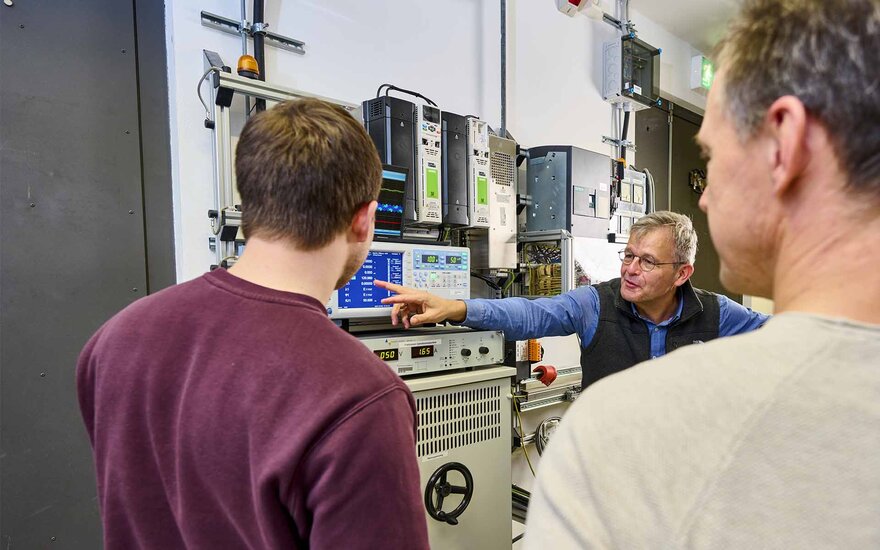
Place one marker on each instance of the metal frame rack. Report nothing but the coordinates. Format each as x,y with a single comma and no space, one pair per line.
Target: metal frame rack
226,217
564,239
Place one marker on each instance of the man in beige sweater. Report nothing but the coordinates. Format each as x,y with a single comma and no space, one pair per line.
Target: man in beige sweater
769,439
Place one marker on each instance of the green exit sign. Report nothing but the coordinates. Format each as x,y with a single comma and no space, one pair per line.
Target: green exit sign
707,73
702,72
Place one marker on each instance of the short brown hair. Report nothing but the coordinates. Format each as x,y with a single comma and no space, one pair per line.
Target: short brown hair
684,238
824,52
303,168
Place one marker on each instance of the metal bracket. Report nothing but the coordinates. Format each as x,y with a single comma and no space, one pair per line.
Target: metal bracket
232,26
630,146
270,92
226,227
566,388
567,396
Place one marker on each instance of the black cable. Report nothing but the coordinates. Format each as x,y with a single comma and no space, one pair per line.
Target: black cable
504,67
519,536
389,87
259,49
444,234
492,284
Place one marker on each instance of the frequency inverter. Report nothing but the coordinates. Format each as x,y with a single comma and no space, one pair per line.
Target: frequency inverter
429,199
478,172
455,180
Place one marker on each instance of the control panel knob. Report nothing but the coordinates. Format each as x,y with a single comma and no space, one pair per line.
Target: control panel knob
484,350
466,352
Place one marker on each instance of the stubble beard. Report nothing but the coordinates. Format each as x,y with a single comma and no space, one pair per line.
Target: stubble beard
352,264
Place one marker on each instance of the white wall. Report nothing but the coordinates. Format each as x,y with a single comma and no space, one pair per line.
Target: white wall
555,83
554,74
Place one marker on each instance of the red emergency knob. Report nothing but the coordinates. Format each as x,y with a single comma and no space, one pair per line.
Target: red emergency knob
545,373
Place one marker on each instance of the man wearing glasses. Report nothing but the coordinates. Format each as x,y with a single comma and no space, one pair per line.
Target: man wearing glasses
651,310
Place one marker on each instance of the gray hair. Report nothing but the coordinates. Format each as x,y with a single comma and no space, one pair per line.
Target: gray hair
683,235
824,52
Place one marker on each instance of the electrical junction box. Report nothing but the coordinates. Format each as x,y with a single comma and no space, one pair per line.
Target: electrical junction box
455,180
478,172
632,73
633,201
390,121
429,196
570,189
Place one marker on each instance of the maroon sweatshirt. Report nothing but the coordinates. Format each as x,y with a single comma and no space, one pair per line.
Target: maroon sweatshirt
227,415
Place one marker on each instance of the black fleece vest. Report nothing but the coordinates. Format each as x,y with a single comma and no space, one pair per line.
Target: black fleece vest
622,338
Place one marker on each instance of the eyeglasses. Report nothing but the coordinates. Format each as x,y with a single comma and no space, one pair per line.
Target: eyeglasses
647,264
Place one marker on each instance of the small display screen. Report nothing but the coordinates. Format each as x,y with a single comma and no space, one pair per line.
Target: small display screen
387,354
360,292
437,259
482,190
432,183
422,351
389,213
638,194
431,114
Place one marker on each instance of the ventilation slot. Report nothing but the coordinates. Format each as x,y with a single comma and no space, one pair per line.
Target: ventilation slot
376,109
458,419
502,168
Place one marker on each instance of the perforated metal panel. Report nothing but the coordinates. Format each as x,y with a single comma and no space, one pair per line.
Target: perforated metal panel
503,168
458,418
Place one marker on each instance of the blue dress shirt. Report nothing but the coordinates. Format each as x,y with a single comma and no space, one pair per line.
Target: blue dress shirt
577,312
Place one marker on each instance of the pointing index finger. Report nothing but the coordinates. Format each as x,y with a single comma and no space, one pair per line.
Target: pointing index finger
403,299
389,286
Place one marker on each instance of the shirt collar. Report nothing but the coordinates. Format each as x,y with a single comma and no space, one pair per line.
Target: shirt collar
675,317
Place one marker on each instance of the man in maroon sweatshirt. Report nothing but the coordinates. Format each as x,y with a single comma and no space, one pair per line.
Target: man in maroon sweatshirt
229,411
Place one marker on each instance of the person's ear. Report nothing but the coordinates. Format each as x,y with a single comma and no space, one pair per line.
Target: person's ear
786,124
684,273
363,220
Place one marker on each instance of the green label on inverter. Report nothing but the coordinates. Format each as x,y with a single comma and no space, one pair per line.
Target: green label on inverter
482,190
432,183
